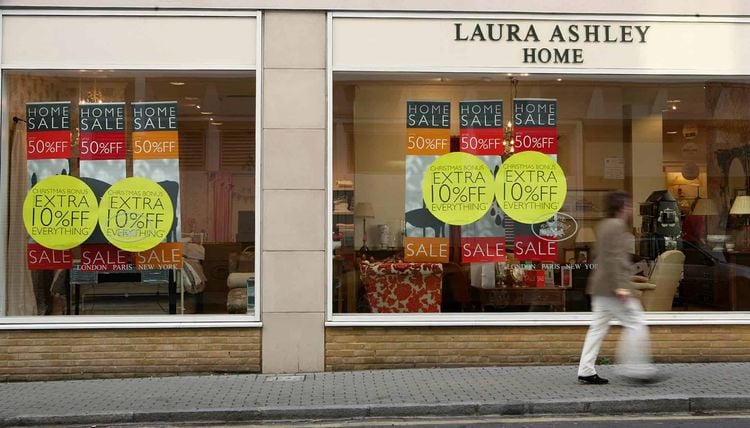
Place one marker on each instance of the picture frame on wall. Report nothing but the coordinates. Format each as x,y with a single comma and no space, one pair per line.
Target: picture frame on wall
570,256
582,255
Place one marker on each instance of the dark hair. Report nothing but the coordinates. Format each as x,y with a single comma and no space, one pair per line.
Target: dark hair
615,201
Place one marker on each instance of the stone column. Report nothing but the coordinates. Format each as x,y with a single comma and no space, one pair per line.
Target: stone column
293,195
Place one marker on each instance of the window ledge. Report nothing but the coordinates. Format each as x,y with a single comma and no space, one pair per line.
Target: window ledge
72,322
527,319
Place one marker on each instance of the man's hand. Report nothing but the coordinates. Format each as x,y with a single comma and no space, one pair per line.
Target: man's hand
623,294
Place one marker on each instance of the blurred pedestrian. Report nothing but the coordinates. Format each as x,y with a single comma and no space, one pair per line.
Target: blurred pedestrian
612,297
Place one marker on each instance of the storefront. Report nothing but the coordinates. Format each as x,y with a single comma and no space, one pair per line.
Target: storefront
453,140
255,188
129,165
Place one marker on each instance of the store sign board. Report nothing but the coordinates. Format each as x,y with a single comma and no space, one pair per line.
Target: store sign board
504,43
48,130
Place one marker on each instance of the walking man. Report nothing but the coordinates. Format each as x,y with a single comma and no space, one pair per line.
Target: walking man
612,298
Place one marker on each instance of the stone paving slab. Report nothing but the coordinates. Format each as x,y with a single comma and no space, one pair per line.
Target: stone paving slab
528,390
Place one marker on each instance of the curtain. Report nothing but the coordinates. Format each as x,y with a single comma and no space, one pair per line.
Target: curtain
223,190
19,285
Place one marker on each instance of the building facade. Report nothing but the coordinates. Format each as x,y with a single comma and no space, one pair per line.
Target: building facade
263,187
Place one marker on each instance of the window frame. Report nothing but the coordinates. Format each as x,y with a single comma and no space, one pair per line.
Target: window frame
483,318
42,322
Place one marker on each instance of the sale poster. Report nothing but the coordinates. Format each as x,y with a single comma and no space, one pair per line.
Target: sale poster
427,137
103,149
482,134
156,156
48,151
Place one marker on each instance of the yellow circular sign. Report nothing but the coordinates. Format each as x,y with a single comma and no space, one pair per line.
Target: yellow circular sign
135,214
59,212
530,187
457,188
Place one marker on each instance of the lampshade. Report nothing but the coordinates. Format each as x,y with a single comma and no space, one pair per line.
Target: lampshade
586,235
705,207
741,205
364,209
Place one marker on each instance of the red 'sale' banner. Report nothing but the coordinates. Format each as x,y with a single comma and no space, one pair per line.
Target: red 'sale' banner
104,257
482,250
528,246
43,258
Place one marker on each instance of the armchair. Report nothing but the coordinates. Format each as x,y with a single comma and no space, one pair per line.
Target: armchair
660,289
396,286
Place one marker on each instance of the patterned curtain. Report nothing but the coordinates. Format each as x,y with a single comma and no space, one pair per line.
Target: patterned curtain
223,188
19,285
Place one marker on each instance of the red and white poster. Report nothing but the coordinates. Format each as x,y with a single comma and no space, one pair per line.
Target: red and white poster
156,156
427,137
48,149
482,134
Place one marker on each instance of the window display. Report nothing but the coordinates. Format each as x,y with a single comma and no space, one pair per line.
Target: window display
121,199
483,191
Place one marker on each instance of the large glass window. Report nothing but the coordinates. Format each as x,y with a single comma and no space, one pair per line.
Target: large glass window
130,192
678,145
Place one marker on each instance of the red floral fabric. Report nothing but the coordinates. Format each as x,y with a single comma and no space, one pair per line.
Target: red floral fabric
402,287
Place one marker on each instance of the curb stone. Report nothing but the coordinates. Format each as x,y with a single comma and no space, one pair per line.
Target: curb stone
678,404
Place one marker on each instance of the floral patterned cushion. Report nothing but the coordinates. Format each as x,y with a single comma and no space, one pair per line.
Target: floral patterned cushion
393,286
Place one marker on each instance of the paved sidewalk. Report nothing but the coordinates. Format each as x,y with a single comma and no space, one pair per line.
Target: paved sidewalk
386,393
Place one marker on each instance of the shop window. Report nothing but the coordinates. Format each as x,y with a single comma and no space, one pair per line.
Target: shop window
142,215
678,146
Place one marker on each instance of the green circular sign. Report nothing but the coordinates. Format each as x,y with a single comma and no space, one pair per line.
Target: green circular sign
59,212
135,214
457,188
530,187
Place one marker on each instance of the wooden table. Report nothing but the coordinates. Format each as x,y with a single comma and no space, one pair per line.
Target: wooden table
554,297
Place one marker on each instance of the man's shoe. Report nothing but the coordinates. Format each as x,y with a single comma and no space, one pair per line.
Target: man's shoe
648,380
594,379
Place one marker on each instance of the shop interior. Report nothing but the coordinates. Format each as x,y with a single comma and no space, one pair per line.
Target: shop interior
215,218
679,145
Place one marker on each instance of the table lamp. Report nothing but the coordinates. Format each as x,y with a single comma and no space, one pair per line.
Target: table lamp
705,207
364,210
741,207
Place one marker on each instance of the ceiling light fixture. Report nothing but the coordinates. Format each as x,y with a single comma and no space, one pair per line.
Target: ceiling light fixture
207,112
176,83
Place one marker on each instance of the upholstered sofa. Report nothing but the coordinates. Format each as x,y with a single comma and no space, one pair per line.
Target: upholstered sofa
397,286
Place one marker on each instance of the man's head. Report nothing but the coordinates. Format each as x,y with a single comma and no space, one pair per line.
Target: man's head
618,205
